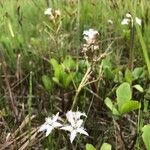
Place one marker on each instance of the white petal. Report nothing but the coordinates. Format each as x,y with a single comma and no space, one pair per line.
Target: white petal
73,135
125,21
86,38
138,21
67,128
56,124
79,123
128,15
48,11
49,130
70,117
55,117
82,131
110,21
90,33
90,36
78,114
44,127
48,120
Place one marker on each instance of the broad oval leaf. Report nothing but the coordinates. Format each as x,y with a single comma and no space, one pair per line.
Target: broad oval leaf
90,147
130,106
110,105
105,146
128,76
137,73
123,93
146,136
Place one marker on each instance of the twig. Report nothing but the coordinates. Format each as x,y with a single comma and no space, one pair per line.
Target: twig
12,100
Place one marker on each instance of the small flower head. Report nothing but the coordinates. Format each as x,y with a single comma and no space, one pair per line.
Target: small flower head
48,11
138,21
128,15
57,13
50,124
110,21
76,124
52,14
90,36
125,21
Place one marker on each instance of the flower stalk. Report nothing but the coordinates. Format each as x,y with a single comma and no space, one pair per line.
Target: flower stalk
81,85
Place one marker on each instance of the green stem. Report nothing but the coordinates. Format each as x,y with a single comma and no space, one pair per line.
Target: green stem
30,107
81,85
131,57
144,49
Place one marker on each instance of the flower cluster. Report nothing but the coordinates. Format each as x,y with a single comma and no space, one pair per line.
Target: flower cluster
129,19
90,36
52,14
90,46
75,124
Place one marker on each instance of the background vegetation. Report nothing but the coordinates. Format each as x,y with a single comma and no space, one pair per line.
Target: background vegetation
42,67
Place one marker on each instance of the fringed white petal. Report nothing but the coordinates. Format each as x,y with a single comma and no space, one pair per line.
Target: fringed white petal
73,135
67,128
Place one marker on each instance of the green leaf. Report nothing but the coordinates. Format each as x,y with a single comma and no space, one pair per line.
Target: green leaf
110,105
106,64
108,74
105,146
69,63
147,95
56,81
47,82
118,76
137,73
57,68
130,106
90,147
139,88
63,73
123,93
146,136
128,76
69,79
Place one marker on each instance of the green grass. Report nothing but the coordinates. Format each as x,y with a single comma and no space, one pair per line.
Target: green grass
29,40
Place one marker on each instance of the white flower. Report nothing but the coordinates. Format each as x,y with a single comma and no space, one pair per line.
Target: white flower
110,21
138,21
76,124
129,19
50,124
128,15
48,11
125,21
90,35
